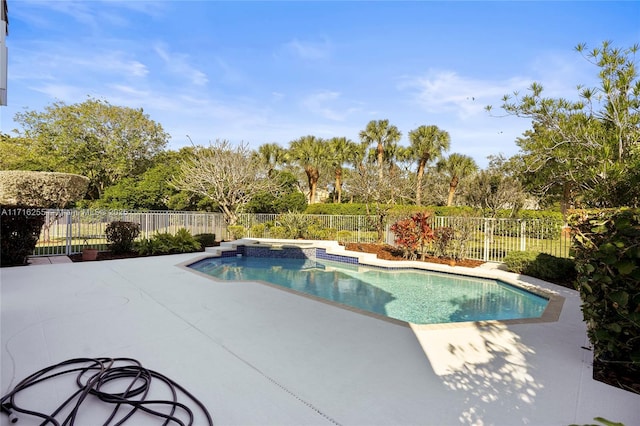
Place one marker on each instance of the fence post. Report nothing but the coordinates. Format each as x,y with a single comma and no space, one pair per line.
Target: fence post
523,239
69,232
485,255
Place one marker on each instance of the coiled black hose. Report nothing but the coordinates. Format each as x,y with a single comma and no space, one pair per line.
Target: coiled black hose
92,376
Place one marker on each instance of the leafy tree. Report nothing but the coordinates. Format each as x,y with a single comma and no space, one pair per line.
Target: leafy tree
93,138
379,193
287,198
456,167
311,153
427,145
228,176
384,136
585,149
494,189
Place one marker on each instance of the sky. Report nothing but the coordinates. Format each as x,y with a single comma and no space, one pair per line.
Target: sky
265,72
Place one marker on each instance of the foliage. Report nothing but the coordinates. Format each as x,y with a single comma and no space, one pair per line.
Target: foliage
385,136
120,235
41,189
344,235
165,243
293,224
456,167
19,233
310,152
454,242
582,151
206,240
495,189
413,235
443,237
427,145
606,245
228,176
236,232
541,265
151,190
286,197
93,138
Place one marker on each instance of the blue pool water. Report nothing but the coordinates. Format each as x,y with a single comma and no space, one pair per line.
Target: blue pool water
410,295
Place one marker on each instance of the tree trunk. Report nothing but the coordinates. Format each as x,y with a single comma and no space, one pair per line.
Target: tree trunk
380,160
452,190
339,185
419,182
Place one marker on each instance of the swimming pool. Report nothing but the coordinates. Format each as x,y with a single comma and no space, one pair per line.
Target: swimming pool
415,296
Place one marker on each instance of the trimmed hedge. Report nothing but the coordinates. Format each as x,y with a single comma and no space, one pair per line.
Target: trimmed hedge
41,189
550,268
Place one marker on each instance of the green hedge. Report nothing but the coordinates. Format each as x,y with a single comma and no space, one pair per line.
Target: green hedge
606,246
408,210
19,232
541,265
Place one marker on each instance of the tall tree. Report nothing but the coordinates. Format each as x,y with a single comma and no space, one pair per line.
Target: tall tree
229,176
456,167
427,145
341,150
383,135
589,145
271,155
311,153
93,138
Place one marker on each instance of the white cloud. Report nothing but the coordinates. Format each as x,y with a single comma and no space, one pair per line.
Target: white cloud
441,91
179,64
309,50
321,102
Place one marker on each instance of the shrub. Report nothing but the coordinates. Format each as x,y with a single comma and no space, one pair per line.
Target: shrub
19,233
257,230
413,235
606,245
295,224
344,236
120,235
184,242
165,243
206,240
541,265
236,232
443,237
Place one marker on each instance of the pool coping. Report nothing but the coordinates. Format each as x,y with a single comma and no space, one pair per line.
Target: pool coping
551,313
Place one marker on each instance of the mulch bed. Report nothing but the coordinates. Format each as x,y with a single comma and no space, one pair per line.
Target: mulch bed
389,252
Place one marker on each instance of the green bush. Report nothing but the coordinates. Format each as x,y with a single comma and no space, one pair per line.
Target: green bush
606,247
165,243
206,240
236,232
19,233
344,236
257,230
120,236
558,270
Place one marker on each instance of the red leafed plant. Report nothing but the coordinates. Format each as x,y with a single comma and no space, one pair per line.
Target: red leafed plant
413,235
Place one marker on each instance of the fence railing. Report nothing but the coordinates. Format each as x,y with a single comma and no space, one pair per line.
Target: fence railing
67,232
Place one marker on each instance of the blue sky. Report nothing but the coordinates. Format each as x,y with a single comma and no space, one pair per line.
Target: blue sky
259,72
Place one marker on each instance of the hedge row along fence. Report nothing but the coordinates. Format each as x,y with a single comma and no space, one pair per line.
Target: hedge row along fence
607,253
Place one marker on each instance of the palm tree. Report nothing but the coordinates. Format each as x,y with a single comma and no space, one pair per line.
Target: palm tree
456,167
341,150
271,155
311,153
427,145
382,134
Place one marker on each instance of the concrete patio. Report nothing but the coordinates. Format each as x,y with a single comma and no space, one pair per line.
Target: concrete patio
256,355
